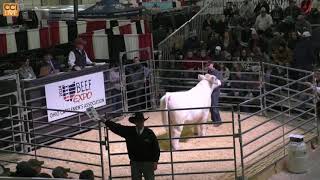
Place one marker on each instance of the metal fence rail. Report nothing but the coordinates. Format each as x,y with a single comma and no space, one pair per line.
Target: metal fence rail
291,104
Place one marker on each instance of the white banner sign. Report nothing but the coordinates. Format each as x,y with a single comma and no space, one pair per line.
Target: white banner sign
76,94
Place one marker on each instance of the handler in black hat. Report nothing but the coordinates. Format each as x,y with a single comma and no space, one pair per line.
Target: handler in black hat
142,146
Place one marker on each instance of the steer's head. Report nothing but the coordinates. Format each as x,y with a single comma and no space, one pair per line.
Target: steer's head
213,80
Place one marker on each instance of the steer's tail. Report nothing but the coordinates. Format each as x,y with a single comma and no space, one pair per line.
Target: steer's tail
164,106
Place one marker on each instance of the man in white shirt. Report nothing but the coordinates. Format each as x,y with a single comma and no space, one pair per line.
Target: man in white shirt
263,21
78,58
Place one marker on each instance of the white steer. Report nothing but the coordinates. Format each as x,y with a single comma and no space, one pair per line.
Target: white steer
198,96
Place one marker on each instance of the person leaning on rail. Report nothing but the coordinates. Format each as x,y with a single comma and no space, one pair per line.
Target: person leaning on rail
142,145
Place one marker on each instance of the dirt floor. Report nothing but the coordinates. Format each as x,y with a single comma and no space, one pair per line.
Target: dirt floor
180,167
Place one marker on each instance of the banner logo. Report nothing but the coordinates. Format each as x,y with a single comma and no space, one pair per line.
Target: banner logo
10,9
76,91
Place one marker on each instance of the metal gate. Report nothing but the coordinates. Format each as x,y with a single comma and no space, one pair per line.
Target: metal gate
10,95
137,77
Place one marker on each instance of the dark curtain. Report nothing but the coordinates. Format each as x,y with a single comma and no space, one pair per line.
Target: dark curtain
72,30
22,41
116,45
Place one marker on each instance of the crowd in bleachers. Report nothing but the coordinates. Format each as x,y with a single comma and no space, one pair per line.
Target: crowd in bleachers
33,168
260,33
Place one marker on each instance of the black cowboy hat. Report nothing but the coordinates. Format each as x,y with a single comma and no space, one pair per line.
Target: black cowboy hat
138,116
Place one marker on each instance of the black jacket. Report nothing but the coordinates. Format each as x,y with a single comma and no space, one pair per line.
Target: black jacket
144,147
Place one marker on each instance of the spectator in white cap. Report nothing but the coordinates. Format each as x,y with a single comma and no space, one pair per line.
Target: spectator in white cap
304,56
306,34
217,56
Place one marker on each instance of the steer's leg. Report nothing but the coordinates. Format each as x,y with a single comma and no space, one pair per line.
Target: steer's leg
176,132
203,127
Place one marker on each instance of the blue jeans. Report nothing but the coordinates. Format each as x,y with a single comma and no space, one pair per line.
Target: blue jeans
215,115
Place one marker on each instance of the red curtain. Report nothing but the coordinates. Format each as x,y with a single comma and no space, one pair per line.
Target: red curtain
95,25
44,38
3,45
126,29
54,32
89,46
144,42
14,20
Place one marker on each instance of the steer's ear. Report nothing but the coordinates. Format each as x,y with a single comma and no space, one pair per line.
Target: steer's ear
201,77
212,79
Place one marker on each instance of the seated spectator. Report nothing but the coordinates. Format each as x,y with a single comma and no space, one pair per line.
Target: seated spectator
316,5
314,16
78,58
189,57
292,10
235,9
302,25
44,175
225,74
229,43
60,172
49,65
24,169
213,41
287,25
87,174
306,6
228,11
208,22
246,10
292,40
263,21
204,55
277,13
220,25
245,60
192,42
26,71
257,41
218,56
258,56
275,41
262,4
283,55
36,165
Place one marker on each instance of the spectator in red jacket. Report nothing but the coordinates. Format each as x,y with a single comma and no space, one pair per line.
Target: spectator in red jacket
306,6
190,58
